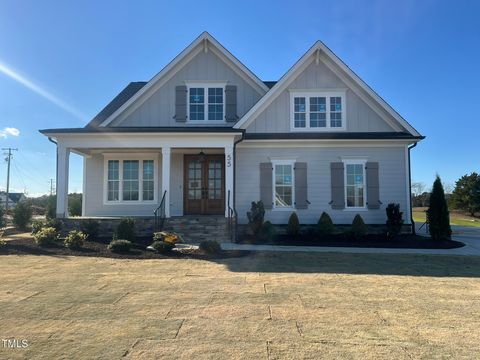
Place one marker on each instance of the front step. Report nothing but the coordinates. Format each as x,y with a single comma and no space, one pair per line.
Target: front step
195,229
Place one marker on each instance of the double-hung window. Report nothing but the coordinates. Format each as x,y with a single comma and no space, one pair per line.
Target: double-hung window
355,184
130,180
318,111
283,184
206,102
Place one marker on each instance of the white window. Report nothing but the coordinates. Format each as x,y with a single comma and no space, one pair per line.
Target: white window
130,179
318,111
206,102
283,184
355,188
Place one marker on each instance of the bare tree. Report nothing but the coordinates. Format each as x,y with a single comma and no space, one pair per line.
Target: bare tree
448,187
418,188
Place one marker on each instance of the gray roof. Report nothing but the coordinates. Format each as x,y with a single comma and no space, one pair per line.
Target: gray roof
124,95
15,197
270,84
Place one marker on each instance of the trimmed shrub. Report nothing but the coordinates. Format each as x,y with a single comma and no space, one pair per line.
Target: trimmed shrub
91,228
163,247
75,239
51,208
120,246
256,216
324,225
125,229
46,236
438,216
293,228
394,220
37,225
75,204
358,229
268,231
55,223
210,247
22,215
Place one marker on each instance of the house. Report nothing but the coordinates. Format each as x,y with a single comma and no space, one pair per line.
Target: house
14,199
207,136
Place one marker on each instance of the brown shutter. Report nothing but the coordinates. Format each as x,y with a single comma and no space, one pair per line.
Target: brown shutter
266,190
180,103
301,200
231,103
337,185
373,191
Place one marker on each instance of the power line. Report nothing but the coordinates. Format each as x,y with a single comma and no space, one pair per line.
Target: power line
8,159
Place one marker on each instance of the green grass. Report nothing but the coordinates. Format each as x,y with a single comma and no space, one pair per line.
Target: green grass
456,218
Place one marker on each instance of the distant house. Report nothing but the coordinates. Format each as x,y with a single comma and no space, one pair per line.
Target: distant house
14,198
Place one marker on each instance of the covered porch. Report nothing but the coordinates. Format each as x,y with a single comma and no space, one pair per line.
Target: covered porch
129,174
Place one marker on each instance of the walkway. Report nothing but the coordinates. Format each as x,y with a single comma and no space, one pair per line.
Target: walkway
470,236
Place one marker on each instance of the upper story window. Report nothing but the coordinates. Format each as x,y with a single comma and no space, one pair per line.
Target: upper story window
318,111
206,102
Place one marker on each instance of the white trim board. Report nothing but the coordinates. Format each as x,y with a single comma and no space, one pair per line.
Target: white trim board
204,42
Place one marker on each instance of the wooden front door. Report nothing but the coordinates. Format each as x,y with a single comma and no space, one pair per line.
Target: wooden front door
204,185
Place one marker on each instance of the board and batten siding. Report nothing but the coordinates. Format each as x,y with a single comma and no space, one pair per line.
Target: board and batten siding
392,178
94,183
159,108
276,117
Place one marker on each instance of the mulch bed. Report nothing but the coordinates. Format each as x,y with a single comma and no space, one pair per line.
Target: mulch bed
98,248
406,241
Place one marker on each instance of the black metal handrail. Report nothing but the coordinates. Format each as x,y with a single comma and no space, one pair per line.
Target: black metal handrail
232,220
159,214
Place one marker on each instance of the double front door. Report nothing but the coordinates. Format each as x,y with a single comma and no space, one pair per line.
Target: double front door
204,184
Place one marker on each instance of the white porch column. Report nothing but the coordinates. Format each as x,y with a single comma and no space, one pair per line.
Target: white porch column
63,157
166,154
228,177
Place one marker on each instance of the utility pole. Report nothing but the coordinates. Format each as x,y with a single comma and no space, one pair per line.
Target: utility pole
51,187
8,159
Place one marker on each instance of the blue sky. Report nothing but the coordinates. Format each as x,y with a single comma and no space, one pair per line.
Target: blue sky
62,61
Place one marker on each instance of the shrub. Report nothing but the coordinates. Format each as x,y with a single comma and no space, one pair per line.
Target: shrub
55,223
46,236
163,247
358,229
167,237
75,204
3,222
51,208
37,225
125,229
22,215
120,246
293,228
394,220
268,231
3,243
324,225
91,228
210,247
75,239
438,216
256,216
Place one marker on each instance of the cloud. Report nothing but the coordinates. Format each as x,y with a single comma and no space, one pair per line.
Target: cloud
9,131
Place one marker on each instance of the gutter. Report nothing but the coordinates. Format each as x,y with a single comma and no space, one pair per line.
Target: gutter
410,188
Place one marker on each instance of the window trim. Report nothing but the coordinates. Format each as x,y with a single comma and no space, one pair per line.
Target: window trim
317,93
362,162
205,86
121,157
292,164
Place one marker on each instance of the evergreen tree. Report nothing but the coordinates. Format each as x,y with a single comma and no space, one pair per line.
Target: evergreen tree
437,214
466,195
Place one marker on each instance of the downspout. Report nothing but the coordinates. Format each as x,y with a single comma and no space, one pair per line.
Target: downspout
235,170
410,188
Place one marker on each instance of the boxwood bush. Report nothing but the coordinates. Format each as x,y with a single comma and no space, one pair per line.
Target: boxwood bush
46,236
325,225
125,229
75,239
293,228
163,247
91,228
358,229
120,246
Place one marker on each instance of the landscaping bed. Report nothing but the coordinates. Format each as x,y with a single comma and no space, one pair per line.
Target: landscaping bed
406,241
99,248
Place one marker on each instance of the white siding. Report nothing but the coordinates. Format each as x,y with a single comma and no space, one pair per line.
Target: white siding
276,117
159,108
392,177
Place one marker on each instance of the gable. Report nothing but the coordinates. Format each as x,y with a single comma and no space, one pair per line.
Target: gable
360,117
158,108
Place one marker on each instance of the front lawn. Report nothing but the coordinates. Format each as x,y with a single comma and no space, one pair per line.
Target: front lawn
456,218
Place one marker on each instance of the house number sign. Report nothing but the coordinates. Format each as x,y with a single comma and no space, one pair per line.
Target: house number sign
229,160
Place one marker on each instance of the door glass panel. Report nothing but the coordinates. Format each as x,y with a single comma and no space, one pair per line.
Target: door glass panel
194,180
215,179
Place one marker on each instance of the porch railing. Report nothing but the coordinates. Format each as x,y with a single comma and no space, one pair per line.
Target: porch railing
159,214
232,220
